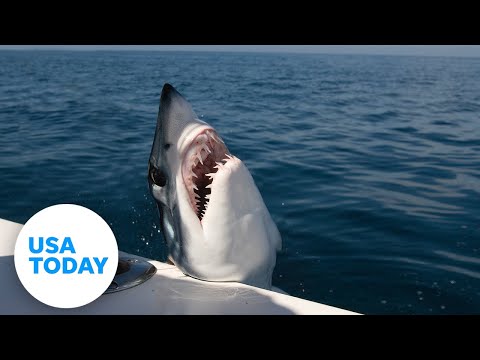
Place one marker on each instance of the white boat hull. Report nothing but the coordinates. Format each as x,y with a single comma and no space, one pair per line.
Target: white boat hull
169,291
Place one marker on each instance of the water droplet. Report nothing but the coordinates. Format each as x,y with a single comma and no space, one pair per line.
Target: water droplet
146,243
452,281
280,275
283,204
442,307
420,298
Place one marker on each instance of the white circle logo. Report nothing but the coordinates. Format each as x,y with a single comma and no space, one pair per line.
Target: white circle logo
66,256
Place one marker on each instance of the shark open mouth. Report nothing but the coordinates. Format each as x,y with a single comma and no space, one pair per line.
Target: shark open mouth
205,155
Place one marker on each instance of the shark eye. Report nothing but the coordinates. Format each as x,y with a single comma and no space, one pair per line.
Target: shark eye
157,176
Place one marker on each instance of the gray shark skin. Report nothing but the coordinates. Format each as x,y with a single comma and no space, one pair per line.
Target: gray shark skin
212,215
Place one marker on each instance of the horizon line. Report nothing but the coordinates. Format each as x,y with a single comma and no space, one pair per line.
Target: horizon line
272,52
383,50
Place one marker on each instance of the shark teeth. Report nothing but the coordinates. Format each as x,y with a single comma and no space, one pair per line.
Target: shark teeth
219,165
206,155
212,136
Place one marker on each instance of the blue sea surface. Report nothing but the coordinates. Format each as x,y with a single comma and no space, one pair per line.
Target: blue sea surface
369,165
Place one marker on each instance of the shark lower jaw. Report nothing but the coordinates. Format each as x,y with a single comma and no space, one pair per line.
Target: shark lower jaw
205,155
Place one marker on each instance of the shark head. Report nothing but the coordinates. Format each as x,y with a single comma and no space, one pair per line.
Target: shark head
212,215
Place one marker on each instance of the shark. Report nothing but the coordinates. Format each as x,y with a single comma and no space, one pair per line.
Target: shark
212,216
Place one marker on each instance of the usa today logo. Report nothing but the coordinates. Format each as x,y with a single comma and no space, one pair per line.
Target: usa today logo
66,256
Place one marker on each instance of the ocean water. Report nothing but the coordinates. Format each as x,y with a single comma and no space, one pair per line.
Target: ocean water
369,165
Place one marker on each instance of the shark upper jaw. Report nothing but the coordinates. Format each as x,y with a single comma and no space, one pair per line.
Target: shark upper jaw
204,154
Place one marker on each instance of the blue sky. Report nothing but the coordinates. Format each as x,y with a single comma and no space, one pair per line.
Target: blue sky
428,50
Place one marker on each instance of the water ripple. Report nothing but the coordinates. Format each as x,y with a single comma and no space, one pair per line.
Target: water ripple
370,165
